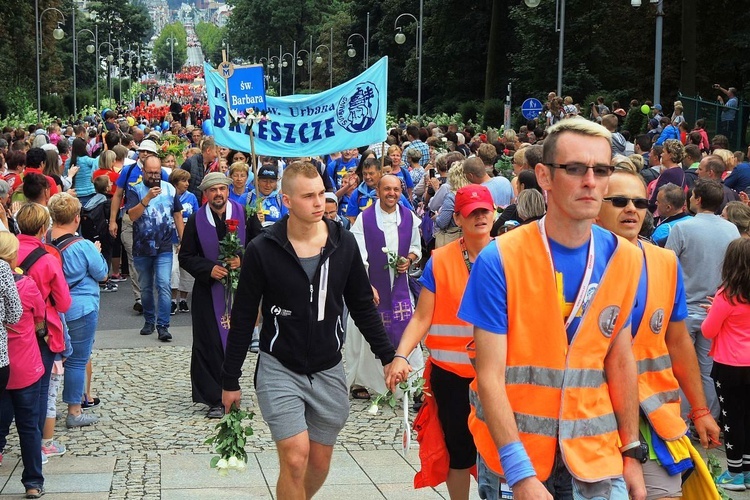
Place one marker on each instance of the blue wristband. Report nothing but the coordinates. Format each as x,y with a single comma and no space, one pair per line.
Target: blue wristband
516,463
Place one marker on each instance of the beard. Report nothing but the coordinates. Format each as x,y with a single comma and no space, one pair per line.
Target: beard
151,182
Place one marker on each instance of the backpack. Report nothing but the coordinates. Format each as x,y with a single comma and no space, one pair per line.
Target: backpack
55,248
94,222
649,174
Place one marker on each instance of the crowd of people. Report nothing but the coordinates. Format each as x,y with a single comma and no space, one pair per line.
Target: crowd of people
385,250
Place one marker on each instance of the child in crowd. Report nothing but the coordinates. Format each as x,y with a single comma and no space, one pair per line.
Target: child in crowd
728,325
22,393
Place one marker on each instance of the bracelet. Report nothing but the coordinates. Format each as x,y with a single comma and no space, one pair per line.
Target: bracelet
697,413
634,444
145,205
402,357
516,463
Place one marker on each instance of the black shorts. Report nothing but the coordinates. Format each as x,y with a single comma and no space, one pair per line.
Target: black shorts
452,397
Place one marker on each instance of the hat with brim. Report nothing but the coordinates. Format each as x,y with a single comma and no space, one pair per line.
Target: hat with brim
214,179
149,146
268,172
473,197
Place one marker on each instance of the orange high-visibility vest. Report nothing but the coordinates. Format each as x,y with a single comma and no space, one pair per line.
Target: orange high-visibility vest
449,335
559,391
658,389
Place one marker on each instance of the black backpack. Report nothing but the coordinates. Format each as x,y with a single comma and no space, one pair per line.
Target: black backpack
94,222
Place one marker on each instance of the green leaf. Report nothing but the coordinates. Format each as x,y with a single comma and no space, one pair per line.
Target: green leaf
214,461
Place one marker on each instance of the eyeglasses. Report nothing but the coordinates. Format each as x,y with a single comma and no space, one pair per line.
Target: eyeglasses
579,169
622,202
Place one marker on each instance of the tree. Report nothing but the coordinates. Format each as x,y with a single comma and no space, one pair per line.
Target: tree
210,37
164,51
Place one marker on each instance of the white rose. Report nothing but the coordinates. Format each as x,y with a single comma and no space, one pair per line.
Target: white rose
222,464
240,464
223,472
232,462
373,409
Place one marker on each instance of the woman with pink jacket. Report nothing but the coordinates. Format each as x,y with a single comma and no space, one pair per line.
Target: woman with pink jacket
728,325
21,396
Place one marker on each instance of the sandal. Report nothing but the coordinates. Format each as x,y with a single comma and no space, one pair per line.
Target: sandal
35,493
85,404
360,393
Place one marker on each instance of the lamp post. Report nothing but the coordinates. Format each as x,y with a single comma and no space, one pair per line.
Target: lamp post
172,42
57,34
559,27
225,46
90,48
284,64
109,61
319,59
658,49
301,63
271,66
401,38
352,53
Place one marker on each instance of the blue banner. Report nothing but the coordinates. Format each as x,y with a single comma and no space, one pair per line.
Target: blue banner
350,115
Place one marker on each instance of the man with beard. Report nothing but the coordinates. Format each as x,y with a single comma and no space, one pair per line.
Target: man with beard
199,255
155,209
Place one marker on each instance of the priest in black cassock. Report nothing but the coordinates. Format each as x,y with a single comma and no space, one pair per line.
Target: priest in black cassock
199,256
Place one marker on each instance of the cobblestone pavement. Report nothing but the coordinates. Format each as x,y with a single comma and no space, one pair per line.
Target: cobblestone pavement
146,412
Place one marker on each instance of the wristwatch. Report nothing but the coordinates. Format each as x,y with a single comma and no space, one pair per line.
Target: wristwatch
637,451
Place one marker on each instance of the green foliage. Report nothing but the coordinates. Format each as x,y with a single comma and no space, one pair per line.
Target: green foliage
163,50
404,106
229,440
210,37
469,111
494,113
54,105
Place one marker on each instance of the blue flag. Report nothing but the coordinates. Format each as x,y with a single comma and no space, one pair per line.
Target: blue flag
350,115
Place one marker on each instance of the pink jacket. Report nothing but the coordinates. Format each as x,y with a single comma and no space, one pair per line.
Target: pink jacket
48,275
729,327
23,350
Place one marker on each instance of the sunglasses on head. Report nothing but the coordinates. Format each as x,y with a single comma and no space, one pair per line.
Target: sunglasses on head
579,169
622,202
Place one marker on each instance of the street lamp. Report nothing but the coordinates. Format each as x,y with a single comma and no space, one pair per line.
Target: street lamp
301,63
319,60
559,27
57,34
172,42
658,49
401,38
90,49
109,68
285,63
272,66
225,46
352,53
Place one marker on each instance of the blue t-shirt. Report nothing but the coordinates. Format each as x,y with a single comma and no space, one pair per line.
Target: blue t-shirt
487,279
154,230
337,169
273,208
134,175
679,309
405,177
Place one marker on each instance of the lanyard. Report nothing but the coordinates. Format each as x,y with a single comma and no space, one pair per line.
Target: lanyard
465,254
578,304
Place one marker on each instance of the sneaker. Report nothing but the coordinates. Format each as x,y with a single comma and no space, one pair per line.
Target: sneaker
746,474
184,306
117,278
138,307
731,482
81,420
54,449
108,287
147,329
254,345
173,309
164,334
44,458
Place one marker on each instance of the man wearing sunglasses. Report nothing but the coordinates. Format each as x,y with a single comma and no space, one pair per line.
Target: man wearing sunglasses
556,330
663,349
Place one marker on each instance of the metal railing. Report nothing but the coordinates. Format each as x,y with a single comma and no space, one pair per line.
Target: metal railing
711,111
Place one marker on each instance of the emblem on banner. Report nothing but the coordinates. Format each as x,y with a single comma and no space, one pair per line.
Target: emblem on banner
358,111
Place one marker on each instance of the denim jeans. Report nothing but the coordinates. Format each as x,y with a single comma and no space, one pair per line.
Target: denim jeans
25,404
560,484
155,273
82,332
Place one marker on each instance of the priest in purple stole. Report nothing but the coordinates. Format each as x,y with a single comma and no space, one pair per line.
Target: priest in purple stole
386,227
199,256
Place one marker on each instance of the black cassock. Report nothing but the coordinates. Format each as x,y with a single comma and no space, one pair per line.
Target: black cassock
208,353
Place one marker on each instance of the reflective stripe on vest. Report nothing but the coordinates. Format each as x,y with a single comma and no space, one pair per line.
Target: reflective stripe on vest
548,380
448,335
658,389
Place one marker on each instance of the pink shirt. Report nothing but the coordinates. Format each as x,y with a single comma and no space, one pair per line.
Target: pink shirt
23,350
729,327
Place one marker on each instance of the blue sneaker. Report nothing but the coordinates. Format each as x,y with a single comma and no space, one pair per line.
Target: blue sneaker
747,479
731,482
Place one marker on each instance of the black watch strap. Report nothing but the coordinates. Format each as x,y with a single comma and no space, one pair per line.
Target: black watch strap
639,453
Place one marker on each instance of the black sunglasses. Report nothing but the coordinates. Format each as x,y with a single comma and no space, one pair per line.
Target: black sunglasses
579,169
622,202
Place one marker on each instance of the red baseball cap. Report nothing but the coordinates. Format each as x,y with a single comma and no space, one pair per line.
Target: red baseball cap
473,197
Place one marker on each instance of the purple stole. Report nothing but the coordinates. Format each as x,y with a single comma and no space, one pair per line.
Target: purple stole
209,241
395,304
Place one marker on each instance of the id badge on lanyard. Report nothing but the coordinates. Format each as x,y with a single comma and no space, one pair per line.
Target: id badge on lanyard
578,304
